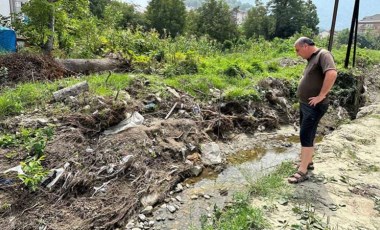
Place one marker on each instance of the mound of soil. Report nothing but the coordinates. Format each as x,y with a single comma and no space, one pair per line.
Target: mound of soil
23,67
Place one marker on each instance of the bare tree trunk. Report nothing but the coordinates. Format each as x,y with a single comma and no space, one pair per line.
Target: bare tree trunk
88,66
48,46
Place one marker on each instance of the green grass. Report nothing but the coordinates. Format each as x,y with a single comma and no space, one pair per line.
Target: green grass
15,100
273,184
236,73
240,216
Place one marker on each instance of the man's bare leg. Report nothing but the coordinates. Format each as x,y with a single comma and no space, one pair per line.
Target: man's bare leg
306,158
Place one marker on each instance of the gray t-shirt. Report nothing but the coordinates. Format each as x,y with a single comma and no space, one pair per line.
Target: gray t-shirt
314,74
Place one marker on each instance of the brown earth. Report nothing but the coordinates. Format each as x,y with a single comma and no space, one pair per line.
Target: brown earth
109,178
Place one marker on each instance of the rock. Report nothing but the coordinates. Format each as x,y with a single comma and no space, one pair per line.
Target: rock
179,187
147,210
196,170
150,199
89,150
142,217
206,196
151,223
160,218
211,154
171,208
42,121
130,225
193,197
178,198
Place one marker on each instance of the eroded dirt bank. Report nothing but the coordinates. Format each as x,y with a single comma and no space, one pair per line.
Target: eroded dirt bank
344,189
108,179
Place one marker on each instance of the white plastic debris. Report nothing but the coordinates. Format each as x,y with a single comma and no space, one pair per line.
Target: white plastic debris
133,121
17,169
58,174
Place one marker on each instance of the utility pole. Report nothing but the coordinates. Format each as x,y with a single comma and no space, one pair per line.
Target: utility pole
354,23
332,30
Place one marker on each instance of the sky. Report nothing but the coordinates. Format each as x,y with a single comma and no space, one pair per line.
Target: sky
324,7
4,7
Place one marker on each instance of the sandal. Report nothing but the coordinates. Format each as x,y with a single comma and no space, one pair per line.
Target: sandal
294,179
310,166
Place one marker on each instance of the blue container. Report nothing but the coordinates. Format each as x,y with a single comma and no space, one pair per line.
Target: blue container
8,42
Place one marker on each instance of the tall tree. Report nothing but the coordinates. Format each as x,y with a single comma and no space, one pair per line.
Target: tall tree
122,15
258,22
97,7
291,15
216,20
311,16
49,19
167,16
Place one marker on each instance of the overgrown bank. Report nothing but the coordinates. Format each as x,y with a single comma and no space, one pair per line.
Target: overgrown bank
103,180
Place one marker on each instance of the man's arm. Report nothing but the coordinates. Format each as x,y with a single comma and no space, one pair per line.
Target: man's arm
328,82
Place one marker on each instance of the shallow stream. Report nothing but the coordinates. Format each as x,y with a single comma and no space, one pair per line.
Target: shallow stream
210,189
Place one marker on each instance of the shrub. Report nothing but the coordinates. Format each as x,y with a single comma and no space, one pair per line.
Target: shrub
234,71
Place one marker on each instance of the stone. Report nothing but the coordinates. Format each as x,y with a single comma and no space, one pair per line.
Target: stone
147,210
211,154
142,217
179,187
196,170
171,208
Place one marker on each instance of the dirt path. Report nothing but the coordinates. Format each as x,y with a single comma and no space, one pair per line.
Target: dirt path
344,189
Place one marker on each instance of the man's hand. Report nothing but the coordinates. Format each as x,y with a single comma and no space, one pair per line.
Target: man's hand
313,101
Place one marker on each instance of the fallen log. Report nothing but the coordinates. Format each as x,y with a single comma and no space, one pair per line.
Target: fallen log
88,66
70,91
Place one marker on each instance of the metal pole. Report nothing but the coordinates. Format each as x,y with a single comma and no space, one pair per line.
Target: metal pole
351,34
356,35
11,9
332,30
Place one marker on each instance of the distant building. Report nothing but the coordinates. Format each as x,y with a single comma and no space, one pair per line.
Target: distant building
239,15
324,34
15,5
370,24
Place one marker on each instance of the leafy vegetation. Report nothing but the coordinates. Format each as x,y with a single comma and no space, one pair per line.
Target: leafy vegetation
240,216
273,185
33,172
34,142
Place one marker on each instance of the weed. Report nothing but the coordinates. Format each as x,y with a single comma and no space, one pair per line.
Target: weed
273,184
7,140
4,207
273,67
239,216
33,172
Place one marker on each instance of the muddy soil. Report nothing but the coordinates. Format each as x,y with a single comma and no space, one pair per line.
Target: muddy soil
108,179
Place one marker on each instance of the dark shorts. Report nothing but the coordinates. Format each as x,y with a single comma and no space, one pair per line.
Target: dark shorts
309,119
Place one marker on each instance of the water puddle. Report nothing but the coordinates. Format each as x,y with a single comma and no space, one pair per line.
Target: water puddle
211,188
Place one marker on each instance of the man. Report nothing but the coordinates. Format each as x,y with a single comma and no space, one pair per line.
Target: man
317,80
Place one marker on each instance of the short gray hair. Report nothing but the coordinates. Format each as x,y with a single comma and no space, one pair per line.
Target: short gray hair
304,40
